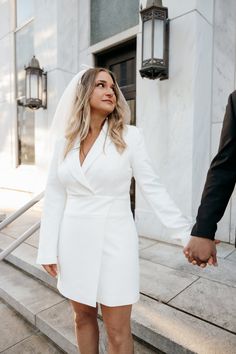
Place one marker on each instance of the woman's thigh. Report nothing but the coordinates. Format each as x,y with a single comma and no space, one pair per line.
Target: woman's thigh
83,311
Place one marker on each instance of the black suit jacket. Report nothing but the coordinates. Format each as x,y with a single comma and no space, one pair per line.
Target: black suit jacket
221,177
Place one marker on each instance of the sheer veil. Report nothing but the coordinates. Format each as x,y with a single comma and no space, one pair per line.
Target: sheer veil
64,110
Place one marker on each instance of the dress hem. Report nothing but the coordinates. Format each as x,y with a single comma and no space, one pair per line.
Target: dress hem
98,301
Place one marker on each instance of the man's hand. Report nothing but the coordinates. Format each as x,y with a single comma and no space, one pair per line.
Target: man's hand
201,251
51,269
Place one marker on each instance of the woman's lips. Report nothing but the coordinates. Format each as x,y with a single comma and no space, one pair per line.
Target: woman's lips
109,101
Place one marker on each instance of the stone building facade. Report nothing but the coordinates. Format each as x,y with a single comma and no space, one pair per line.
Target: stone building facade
181,117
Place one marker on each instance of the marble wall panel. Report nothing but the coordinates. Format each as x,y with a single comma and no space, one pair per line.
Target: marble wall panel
85,58
67,35
206,9
5,68
4,17
166,114
202,108
178,8
56,34
6,136
45,33
83,25
224,56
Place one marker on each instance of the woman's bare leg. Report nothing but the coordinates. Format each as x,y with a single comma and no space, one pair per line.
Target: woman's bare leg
117,323
86,327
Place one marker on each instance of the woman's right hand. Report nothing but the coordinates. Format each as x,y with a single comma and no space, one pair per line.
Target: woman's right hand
51,269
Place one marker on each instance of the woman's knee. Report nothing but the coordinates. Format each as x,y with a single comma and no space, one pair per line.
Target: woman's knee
84,315
117,335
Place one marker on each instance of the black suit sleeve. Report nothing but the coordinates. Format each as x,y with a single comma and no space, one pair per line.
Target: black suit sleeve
221,177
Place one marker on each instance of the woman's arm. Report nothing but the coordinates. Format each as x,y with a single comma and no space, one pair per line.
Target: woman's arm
54,203
155,193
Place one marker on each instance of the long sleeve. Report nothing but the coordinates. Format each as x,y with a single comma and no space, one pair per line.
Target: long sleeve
155,193
221,177
54,203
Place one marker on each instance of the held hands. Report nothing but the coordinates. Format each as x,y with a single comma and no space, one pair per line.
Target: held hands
201,251
51,269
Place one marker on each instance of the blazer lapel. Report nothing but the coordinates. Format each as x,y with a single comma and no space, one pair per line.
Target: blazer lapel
98,147
76,171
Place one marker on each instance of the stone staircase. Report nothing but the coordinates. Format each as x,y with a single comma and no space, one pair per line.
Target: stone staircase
158,324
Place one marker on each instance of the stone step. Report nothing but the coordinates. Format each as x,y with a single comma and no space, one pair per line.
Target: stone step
48,311
24,257
164,332
166,316
160,325
26,339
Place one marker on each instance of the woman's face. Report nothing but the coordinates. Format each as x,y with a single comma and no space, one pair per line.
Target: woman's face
103,98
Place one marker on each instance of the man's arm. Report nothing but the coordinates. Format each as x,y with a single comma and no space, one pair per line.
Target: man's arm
218,188
221,177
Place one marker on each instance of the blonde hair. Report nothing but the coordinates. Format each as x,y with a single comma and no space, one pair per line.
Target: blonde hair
79,121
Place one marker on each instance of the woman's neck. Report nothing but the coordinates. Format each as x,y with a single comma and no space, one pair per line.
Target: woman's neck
96,124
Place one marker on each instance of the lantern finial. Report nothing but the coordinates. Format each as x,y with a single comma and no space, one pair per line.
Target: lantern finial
34,63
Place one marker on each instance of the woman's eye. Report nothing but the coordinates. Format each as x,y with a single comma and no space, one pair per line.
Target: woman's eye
100,84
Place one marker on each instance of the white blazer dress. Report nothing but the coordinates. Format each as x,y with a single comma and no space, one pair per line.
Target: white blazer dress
87,226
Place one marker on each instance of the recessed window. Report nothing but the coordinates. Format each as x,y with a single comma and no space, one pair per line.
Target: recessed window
111,17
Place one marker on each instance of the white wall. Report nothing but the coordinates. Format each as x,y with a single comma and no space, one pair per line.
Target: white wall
56,41
175,114
7,107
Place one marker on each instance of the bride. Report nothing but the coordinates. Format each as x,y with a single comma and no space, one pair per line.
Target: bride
88,237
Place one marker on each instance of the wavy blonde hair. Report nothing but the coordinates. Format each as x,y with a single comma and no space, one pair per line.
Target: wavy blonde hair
79,121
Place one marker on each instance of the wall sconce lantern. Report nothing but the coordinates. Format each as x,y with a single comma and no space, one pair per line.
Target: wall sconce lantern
35,86
155,40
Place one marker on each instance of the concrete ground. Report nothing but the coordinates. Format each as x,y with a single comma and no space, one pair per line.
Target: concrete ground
202,301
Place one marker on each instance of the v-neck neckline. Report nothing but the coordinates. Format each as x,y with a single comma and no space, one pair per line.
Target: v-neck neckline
103,131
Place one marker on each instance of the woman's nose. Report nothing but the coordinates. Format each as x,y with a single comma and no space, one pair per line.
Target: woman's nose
110,92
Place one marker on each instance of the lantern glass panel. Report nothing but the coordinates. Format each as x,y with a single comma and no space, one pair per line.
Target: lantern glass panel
147,40
158,39
34,85
40,88
44,90
28,90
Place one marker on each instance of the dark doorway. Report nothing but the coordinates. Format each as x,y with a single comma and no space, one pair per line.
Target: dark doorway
121,60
